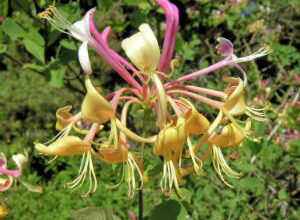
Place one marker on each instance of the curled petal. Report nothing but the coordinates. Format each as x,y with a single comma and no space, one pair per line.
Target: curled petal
224,47
114,154
95,108
142,49
62,116
66,146
196,123
5,184
84,59
231,136
234,101
20,160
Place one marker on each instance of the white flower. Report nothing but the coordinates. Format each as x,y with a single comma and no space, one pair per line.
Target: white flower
142,49
79,30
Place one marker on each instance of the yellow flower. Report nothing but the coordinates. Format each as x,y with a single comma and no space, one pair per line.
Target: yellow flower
95,108
169,143
120,154
66,146
3,211
229,137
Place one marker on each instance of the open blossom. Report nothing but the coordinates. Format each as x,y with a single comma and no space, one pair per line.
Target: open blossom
182,128
7,176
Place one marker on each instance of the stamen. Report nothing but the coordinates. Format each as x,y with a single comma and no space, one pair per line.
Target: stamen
79,181
198,169
61,134
220,165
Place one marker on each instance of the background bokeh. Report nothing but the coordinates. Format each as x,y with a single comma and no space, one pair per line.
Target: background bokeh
39,72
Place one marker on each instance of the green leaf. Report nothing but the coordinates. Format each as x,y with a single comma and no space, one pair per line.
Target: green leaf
68,44
249,183
255,147
35,49
282,194
55,74
132,2
12,29
3,48
3,8
260,128
179,43
168,210
36,37
94,213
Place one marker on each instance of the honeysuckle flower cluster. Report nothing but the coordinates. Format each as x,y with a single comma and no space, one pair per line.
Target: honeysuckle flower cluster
8,177
182,129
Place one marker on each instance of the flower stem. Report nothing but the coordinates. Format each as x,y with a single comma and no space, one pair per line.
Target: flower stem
141,158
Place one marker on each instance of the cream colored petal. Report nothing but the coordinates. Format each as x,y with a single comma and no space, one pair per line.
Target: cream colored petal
95,108
66,146
80,29
84,59
142,49
62,116
20,160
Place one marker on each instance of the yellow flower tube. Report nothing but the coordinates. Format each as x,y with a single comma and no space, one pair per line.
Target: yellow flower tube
65,146
196,123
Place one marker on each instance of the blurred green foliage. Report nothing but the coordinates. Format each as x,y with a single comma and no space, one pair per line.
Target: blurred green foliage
40,73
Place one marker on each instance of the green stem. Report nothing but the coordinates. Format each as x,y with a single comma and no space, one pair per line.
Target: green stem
141,158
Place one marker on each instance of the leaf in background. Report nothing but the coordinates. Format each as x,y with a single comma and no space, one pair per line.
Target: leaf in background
104,5
12,29
94,213
3,8
36,37
249,183
168,210
3,48
255,147
179,43
55,73
68,44
36,50
260,128
132,2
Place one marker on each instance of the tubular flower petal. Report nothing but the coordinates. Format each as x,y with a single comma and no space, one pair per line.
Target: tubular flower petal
3,211
196,123
231,136
65,146
142,49
171,138
95,108
62,116
234,102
